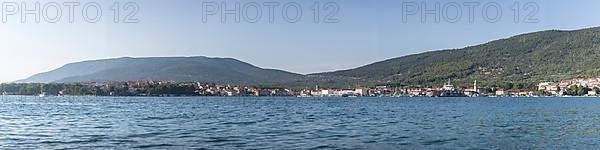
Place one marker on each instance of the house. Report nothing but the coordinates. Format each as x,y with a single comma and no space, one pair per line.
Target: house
592,93
501,92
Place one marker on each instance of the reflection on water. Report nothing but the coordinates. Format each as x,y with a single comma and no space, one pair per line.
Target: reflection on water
298,123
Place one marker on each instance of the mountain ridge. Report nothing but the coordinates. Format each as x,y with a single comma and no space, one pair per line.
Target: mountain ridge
520,58
526,58
198,68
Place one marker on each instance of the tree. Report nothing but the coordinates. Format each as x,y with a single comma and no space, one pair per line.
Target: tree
508,85
519,86
577,90
582,90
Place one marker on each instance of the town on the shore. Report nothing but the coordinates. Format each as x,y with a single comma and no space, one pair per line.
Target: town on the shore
572,87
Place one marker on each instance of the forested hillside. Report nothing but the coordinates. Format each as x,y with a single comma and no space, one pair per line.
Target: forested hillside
524,59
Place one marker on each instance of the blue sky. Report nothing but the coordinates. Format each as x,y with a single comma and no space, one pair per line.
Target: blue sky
367,31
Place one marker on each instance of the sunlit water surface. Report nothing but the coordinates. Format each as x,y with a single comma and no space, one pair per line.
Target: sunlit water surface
298,123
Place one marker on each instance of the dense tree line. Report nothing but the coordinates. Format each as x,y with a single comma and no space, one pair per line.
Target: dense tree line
578,90
512,63
115,89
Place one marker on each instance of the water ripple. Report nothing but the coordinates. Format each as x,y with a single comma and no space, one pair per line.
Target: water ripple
298,123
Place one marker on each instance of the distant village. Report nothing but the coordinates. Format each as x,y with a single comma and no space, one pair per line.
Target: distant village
573,87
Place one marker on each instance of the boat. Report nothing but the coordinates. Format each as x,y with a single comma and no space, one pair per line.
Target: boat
348,95
43,94
449,91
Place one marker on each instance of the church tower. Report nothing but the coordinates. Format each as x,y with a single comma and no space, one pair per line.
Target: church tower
475,87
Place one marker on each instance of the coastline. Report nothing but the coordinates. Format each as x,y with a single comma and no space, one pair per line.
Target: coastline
53,96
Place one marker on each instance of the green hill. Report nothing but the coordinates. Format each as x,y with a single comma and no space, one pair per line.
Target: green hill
204,69
517,62
526,59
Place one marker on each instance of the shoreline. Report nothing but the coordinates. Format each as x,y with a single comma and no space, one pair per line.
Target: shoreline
50,96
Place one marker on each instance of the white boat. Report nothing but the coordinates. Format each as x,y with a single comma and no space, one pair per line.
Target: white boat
43,94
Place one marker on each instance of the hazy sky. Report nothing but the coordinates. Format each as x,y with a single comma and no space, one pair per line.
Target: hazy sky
367,31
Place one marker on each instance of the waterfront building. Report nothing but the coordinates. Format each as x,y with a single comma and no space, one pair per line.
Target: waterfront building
501,92
324,92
